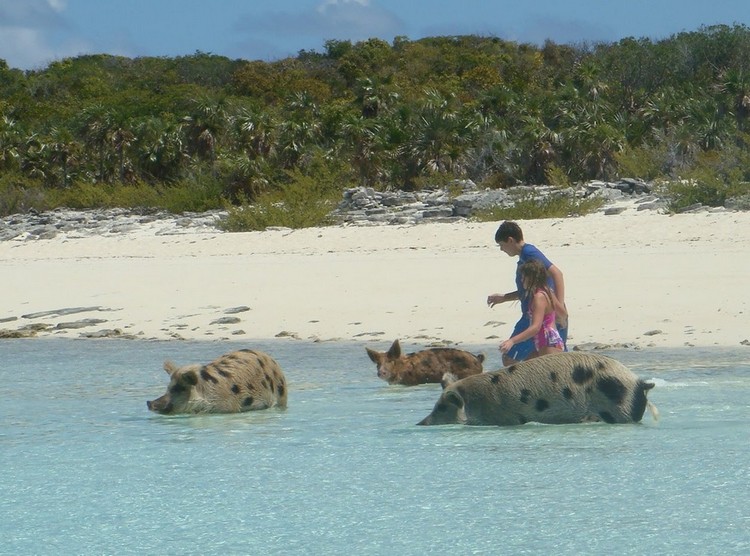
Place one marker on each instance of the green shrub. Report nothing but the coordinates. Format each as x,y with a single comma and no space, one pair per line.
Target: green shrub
19,194
707,190
647,162
195,195
81,195
304,202
528,207
556,176
714,177
87,195
434,180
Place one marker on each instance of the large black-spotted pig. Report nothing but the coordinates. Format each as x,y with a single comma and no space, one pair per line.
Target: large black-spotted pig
557,388
243,380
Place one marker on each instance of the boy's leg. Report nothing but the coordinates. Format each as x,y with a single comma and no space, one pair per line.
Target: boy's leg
519,352
564,334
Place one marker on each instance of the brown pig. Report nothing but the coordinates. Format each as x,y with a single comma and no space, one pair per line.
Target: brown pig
424,366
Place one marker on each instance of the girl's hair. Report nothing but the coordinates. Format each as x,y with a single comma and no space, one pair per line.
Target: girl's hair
534,276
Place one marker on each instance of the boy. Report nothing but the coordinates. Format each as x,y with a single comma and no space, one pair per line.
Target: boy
510,239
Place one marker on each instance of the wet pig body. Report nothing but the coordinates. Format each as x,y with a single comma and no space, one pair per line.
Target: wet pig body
244,380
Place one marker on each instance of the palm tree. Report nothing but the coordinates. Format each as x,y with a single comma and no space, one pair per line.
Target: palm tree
95,126
299,130
10,139
33,163
593,131
736,85
361,138
121,138
439,135
710,129
160,148
541,148
64,152
255,130
205,127
373,97
493,152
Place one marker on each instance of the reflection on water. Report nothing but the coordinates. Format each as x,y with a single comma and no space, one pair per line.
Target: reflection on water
344,470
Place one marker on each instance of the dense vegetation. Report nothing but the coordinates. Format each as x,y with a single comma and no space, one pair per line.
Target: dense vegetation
204,131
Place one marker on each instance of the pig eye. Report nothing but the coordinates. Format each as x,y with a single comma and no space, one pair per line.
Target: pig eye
177,389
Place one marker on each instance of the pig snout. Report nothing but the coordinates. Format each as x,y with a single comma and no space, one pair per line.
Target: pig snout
160,405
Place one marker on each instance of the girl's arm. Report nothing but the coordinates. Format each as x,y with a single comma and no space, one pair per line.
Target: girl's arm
539,306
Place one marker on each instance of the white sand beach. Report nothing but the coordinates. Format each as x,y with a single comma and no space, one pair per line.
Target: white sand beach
633,278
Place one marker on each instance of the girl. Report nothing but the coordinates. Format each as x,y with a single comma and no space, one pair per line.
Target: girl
542,305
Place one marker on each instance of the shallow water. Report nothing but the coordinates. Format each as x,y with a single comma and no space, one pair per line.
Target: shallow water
344,470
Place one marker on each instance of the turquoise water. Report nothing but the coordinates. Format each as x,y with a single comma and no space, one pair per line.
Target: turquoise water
86,469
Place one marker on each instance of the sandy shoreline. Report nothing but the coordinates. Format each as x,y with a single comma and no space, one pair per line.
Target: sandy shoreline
634,278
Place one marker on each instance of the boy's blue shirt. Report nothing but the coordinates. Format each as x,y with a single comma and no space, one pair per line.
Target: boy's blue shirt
530,252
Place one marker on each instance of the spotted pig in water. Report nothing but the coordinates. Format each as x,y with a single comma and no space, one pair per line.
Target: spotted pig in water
244,380
422,367
558,388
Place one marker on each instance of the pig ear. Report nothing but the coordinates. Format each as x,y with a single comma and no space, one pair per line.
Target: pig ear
395,351
454,398
448,379
188,378
374,356
170,367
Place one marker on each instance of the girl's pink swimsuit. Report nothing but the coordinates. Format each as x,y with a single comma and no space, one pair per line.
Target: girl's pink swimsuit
548,334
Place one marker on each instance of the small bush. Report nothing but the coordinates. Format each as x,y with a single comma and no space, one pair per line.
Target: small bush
87,195
530,208
556,176
19,194
194,195
710,181
644,162
434,180
711,191
190,195
304,202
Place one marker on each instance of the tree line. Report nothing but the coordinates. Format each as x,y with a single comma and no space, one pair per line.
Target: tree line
402,115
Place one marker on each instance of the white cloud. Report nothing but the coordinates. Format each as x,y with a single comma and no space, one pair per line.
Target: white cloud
24,48
27,27
27,48
31,13
338,3
57,5
356,19
334,19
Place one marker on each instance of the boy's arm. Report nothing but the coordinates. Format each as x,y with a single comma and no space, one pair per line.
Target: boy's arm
559,282
558,297
496,298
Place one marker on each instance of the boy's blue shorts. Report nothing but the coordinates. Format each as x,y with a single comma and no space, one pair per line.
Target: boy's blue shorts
521,351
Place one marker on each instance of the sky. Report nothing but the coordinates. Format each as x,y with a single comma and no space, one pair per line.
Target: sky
34,33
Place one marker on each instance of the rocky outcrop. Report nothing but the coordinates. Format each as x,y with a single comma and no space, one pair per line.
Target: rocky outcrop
365,206
362,206
100,222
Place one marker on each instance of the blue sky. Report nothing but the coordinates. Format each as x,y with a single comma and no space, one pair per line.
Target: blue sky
35,32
